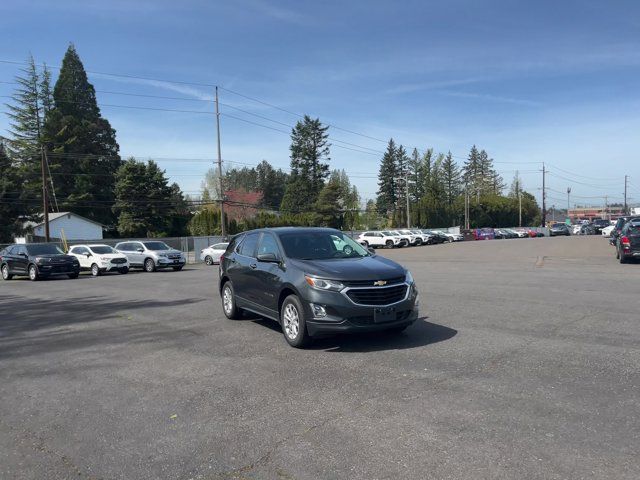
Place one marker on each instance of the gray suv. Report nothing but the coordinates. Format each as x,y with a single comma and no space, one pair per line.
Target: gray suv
151,255
314,281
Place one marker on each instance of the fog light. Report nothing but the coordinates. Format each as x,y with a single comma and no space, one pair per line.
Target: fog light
318,310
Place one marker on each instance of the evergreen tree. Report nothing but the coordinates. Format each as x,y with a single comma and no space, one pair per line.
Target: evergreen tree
402,172
516,186
271,183
450,179
416,176
83,149
11,206
330,203
387,189
309,165
30,103
471,172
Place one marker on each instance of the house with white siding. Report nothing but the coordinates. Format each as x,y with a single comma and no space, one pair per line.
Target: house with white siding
73,225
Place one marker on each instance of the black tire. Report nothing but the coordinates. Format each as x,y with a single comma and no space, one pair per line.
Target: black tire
389,243
5,272
419,242
617,254
149,265
32,270
623,259
73,275
95,270
294,327
177,269
230,309
208,260
365,244
124,270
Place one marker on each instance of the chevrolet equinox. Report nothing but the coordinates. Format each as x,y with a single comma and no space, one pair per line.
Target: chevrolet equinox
314,281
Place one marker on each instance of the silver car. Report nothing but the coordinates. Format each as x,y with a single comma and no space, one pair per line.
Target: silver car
151,255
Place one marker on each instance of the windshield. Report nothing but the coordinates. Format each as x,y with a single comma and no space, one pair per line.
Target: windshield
44,249
102,249
156,246
557,225
320,246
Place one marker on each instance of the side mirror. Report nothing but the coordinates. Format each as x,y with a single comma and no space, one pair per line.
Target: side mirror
268,258
140,249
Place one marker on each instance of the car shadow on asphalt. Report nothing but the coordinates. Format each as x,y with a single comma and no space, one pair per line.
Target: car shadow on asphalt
420,334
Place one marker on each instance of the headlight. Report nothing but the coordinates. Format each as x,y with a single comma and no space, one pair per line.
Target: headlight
164,255
43,260
104,259
409,278
323,284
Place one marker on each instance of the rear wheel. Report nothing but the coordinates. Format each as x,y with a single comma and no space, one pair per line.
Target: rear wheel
33,273
95,270
5,273
623,259
293,323
389,243
208,260
149,265
229,307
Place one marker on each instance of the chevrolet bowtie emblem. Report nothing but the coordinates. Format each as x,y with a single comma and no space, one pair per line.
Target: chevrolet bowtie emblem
379,283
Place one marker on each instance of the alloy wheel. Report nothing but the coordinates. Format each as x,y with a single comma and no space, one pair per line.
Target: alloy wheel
33,273
5,272
291,321
208,260
95,271
227,300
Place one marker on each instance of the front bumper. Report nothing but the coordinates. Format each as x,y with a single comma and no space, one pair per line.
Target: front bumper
111,267
170,262
47,270
344,316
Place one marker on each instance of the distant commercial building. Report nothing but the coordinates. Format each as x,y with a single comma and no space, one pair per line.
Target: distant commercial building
592,213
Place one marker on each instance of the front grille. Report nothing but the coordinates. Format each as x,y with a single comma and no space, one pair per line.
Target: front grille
379,295
369,283
119,260
61,269
174,256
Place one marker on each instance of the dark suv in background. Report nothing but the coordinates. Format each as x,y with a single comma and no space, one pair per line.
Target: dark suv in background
37,260
313,281
628,242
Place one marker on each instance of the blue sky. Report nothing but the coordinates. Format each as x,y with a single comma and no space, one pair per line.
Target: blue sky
527,81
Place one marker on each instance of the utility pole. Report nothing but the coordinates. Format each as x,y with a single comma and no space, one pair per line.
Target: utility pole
466,206
519,208
406,187
544,197
606,207
626,178
221,199
45,200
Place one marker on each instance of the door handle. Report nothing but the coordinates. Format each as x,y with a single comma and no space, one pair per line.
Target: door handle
253,265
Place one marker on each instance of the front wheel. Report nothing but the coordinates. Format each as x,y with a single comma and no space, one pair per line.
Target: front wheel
229,307
389,243
5,273
95,270
293,323
149,265
33,273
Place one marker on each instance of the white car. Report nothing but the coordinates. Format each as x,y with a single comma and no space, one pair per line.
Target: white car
405,240
576,229
99,259
606,231
414,238
378,239
211,254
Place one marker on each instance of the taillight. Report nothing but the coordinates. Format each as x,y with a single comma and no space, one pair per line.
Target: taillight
221,258
625,242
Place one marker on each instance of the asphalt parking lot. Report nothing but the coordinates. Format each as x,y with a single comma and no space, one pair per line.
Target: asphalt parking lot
525,364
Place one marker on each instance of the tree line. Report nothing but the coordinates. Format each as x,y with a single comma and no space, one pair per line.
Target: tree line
62,128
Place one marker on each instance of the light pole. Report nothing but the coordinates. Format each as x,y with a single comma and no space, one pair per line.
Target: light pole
568,200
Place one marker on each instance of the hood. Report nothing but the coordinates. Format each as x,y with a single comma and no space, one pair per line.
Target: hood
351,269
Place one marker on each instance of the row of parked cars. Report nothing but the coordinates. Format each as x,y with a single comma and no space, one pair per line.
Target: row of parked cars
43,260
406,238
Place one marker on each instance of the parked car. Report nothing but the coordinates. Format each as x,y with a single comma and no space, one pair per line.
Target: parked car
37,261
628,242
575,229
620,223
607,231
151,255
415,239
516,233
379,239
314,281
558,229
426,238
405,240
99,259
599,224
211,254
483,234
587,229
436,237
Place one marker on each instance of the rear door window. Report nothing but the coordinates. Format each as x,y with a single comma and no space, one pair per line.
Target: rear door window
248,246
